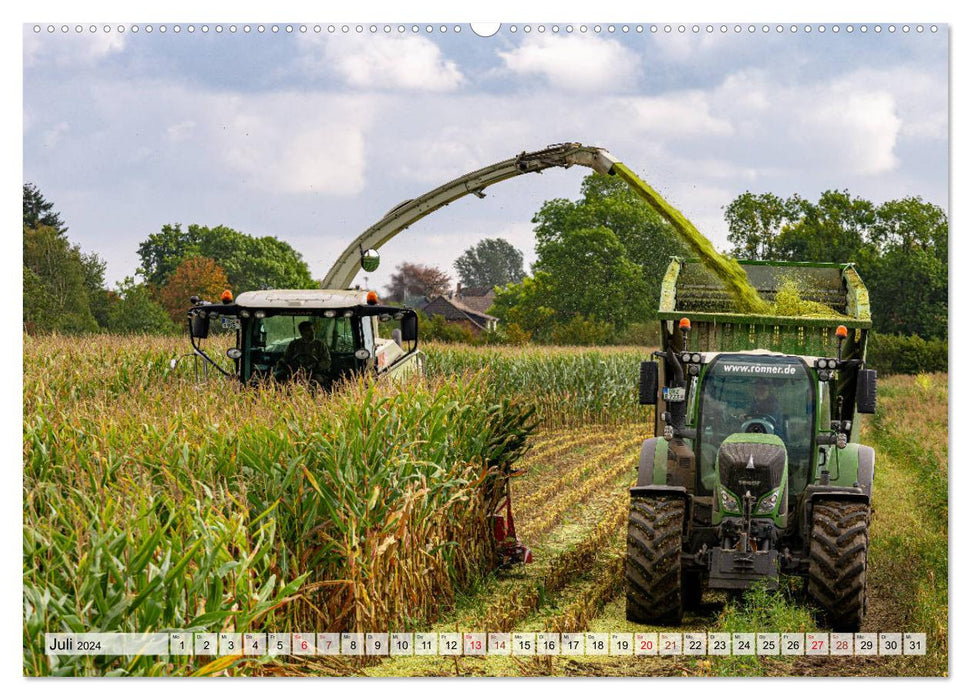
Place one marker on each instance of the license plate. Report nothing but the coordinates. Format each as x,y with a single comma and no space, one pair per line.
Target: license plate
673,393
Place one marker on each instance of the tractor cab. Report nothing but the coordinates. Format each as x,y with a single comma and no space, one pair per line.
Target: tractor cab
755,393
321,336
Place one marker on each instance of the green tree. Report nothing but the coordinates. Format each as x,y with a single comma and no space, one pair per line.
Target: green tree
582,280
526,307
908,279
39,212
133,310
754,221
99,298
55,292
249,262
490,263
647,240
590,275
900,248
834,229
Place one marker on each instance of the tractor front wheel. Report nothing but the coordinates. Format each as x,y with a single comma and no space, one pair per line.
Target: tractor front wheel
837,562
653,568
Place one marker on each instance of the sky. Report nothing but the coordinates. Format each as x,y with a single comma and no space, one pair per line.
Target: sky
312,136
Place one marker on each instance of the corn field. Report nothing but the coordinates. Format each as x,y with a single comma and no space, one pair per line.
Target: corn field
568,386
152,502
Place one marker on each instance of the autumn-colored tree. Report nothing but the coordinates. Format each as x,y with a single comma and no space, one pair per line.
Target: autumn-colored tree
200,277
414,279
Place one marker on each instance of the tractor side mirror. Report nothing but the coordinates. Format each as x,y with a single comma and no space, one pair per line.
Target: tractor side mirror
866,391
409,328
199,326
370,260
648,384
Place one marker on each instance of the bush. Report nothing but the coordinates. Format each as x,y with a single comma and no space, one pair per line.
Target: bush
642,333
901,354
582,330
437,328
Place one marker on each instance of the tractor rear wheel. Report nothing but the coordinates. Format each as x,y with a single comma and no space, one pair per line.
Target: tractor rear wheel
837,562
653,568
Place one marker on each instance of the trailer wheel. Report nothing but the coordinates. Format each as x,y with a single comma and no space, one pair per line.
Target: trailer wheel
837,562
654,560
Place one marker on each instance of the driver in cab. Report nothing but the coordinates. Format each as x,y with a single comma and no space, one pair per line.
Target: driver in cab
765,404
306,355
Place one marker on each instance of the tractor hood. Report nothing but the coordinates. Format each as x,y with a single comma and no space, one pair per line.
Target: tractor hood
752,462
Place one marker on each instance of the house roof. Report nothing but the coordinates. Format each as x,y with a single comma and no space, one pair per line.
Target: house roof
454,310
478,302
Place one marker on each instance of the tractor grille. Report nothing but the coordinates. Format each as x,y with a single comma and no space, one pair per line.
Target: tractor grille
764,474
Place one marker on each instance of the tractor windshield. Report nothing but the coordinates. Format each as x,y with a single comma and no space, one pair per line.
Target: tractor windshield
757,394
282,346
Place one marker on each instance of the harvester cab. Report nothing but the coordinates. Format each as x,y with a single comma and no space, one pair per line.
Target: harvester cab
756,469
318,334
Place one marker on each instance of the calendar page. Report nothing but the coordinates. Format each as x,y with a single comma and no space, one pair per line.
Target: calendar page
532,349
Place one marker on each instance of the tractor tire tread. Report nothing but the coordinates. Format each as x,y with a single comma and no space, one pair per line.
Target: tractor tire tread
838,562
653,567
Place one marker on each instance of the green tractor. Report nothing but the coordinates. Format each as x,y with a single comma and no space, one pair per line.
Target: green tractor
756,469
322,335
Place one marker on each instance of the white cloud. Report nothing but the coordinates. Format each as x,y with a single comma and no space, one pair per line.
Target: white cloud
382,62
843,125
920,98
52,136
857,130
275,143
678,114
71,49
690,47
575,63
291,143
181,131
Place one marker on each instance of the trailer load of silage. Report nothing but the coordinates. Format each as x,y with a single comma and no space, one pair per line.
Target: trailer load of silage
792,297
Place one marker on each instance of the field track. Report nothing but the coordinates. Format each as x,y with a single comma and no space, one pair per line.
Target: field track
571,509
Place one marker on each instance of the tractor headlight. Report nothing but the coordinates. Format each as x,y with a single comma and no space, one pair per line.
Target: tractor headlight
244,313
260,314
728,501
767,504
831,364
696,358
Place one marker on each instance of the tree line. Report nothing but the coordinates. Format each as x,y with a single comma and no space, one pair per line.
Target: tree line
596,279
65,290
